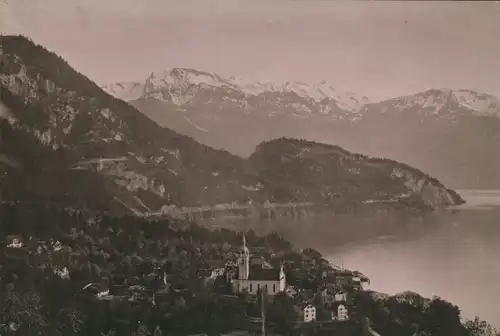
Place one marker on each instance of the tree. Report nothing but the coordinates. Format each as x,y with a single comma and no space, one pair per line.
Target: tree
22,309
70,320
478,327
283,313
443,318
142,330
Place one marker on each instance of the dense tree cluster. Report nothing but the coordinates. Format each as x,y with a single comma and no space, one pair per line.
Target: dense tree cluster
409,312
36,300
331,175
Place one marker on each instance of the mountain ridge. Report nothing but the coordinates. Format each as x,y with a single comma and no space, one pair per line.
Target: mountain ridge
172,78
422,130
177,79
69,124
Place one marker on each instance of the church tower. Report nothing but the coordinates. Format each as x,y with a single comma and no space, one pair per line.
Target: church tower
282,279
244,261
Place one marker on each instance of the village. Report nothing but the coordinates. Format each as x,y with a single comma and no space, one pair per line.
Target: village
193,281
320,292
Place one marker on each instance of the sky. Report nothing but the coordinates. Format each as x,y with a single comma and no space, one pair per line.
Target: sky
380,49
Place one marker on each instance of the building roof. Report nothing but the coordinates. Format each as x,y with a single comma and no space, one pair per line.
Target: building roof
265,274
256,260
305,305
216,264
336,305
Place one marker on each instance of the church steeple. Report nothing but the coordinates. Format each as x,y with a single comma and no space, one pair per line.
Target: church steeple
282,279
282,272
244,248
244,261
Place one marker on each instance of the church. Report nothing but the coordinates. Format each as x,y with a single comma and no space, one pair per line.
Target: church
251,279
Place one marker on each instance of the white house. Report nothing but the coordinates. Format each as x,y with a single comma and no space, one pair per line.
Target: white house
15,243
341,296
309,312
62,273
102,293
254,279
57,246
341,313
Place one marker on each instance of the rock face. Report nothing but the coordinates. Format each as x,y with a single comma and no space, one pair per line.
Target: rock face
64,139
451,134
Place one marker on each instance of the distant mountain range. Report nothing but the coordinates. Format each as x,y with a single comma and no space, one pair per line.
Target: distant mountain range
65,140
178,85
451,134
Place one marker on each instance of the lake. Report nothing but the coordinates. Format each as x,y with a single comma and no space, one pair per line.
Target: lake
456,258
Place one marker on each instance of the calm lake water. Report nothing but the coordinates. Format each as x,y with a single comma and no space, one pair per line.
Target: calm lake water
456,258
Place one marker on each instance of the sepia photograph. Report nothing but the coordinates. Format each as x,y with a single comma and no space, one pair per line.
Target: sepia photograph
249,168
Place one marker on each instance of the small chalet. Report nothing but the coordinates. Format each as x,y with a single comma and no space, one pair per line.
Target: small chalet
15,242
308,313
341,296
340,312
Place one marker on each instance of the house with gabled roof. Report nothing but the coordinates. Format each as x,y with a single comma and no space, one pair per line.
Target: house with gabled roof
340,312
307,312
341,296
15,241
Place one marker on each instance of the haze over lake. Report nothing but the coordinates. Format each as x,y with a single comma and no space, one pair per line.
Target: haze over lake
458,259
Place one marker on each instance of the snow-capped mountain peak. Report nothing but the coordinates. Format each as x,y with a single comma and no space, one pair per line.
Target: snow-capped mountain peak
178,79
477,102
435,100
125,90
324,90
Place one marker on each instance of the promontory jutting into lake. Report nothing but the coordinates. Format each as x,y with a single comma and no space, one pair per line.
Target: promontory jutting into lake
299,168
